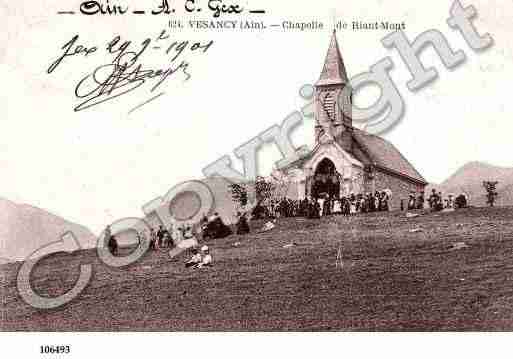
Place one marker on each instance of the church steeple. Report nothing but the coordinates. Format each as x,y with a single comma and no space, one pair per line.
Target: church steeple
333,103
334,71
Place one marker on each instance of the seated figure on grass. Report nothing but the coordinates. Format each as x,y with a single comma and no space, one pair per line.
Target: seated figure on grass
207,260
268,226
216,228
195,260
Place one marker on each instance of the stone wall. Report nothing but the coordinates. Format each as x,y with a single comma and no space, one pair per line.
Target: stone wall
400,188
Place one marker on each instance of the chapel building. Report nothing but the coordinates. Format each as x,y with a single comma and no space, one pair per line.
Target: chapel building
345,159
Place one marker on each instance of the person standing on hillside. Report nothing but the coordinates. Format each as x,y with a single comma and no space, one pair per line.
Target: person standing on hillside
177,234
317,210
433,199
411,202
326,206
153,240
450,201
377,200
160,237
113,245
242,224
440,204
352,205
167,240
111,241
372,202
420,201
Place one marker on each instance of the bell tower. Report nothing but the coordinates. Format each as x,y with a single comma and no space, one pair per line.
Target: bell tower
332,94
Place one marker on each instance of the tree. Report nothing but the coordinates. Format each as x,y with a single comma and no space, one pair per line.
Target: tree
264,190
239,194
254,195
491,192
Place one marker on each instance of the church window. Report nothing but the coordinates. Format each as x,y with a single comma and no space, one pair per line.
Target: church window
328,104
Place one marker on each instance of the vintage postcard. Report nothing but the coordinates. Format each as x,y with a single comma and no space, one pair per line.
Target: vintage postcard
255,166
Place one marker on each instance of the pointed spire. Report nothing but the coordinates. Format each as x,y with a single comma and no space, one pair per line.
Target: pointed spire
334,71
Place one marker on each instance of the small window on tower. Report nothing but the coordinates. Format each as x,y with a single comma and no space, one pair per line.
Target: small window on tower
328,104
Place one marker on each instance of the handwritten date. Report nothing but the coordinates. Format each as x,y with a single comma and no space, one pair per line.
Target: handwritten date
125,72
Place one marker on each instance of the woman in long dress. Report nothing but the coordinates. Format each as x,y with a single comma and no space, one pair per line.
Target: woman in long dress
242,224
337,206
352,206
320,202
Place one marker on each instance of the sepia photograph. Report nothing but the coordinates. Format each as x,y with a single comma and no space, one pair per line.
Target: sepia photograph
221,168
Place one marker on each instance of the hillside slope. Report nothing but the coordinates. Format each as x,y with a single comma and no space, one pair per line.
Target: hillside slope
389,278
24,229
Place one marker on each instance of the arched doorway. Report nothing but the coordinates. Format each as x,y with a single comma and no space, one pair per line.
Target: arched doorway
326,180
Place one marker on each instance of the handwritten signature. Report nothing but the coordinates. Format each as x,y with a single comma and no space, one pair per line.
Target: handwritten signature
109,81
125,73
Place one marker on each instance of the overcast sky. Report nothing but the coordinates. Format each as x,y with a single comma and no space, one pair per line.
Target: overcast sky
101,164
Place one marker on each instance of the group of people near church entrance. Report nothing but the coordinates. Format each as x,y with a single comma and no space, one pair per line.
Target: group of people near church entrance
435,202
324,205
355,203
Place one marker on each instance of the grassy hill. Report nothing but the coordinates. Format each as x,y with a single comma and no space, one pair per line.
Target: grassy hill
392,278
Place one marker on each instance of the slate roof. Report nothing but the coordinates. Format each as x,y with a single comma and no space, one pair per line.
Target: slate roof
367,148
383,154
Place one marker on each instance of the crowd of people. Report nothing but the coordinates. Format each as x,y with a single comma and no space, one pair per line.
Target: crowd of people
167,238
354,204
435,202
209,228
213,227
325,206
